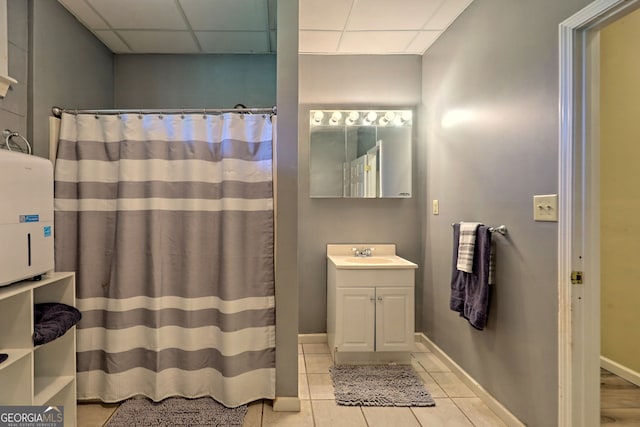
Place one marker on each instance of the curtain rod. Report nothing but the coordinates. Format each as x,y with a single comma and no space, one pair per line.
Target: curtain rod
57,111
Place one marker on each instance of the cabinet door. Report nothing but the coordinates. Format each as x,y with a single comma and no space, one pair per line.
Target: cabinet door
355,313
394,319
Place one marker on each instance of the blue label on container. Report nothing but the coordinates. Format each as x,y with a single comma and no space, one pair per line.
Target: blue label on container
47,231
29,218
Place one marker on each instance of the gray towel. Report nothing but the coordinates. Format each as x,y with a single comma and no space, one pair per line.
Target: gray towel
470,292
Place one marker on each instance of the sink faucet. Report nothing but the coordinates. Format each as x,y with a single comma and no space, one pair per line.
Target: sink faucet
362,252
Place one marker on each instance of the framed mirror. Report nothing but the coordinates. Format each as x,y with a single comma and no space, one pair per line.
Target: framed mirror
360,153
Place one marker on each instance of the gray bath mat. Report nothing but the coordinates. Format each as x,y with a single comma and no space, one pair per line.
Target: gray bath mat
176,411
379,385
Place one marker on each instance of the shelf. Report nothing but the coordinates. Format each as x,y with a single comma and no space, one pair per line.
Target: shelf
47,387
42,375
15,354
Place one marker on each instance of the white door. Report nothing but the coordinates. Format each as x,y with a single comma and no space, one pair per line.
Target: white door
356,319
394,319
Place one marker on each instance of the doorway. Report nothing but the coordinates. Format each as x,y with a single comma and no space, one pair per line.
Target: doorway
579,223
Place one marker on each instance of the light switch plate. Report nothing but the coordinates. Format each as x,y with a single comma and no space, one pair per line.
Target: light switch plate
435,207
545,207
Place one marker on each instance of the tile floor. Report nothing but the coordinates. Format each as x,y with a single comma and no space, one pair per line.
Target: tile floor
456,404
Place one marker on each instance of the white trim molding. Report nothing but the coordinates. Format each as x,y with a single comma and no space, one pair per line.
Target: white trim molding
578,306
620,370
312,338
503,413
286,404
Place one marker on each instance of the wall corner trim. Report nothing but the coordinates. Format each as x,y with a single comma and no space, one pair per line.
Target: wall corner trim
286,404
620,370
493,404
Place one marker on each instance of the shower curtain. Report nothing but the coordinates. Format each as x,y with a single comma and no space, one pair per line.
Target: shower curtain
167,221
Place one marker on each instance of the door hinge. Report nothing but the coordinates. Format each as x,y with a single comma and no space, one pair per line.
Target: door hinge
576,277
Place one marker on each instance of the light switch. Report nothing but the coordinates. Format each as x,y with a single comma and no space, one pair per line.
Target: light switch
545,207
435,207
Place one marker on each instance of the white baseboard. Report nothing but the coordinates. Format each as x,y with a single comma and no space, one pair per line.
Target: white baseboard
286,404
620,370
312,338
502,412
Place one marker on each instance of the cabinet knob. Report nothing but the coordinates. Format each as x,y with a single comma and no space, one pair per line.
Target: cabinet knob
380,299
372,299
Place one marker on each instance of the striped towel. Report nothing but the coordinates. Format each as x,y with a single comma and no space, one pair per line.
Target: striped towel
466,246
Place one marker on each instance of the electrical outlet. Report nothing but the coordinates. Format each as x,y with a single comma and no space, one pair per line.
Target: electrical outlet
545,207
435,207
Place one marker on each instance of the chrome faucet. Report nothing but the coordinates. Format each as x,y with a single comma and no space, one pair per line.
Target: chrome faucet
362,252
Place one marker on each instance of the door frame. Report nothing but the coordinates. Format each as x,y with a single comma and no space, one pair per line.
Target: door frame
579,205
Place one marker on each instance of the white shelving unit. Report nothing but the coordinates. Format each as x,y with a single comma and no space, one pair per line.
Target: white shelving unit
37,375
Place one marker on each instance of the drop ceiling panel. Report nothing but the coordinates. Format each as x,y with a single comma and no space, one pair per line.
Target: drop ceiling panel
387,15
330,27
446,14
318,41
160,41
112,41
225,15
234,41
85,14
371,42
324,15
140,14
423,40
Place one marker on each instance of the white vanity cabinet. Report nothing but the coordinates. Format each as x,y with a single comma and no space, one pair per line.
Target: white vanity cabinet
370,308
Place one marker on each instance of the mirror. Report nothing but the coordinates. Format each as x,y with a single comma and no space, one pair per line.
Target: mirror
360,153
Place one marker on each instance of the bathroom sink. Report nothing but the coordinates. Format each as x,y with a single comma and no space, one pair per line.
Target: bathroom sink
369,260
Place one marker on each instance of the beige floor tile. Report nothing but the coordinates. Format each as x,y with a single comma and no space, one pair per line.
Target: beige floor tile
430,362
316,348
431,385
445,413
421,348
389,416
318,363
452,385
254,415
95,414
302,368
327,413
479,413
303,387
304,418
416,365
320,386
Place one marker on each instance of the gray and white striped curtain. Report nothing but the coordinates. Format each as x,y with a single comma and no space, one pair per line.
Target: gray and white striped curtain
168,223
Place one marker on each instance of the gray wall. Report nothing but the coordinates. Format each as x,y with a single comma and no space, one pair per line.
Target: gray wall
350,81
13,107
194,81
69,68
286,201
499,61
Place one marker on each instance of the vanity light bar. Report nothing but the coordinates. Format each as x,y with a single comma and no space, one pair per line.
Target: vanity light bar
360,117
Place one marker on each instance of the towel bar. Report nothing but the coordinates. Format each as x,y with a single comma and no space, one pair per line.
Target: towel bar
501,229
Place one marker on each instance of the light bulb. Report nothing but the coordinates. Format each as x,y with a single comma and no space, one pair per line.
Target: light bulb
317,117
352,118
335,118
371,117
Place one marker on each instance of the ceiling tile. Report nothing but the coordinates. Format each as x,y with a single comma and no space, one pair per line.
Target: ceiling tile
112,41
318,41
85,14
446,14
386,15
140,14
423,40
324,14
225,15
234,41
159,41
375,42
